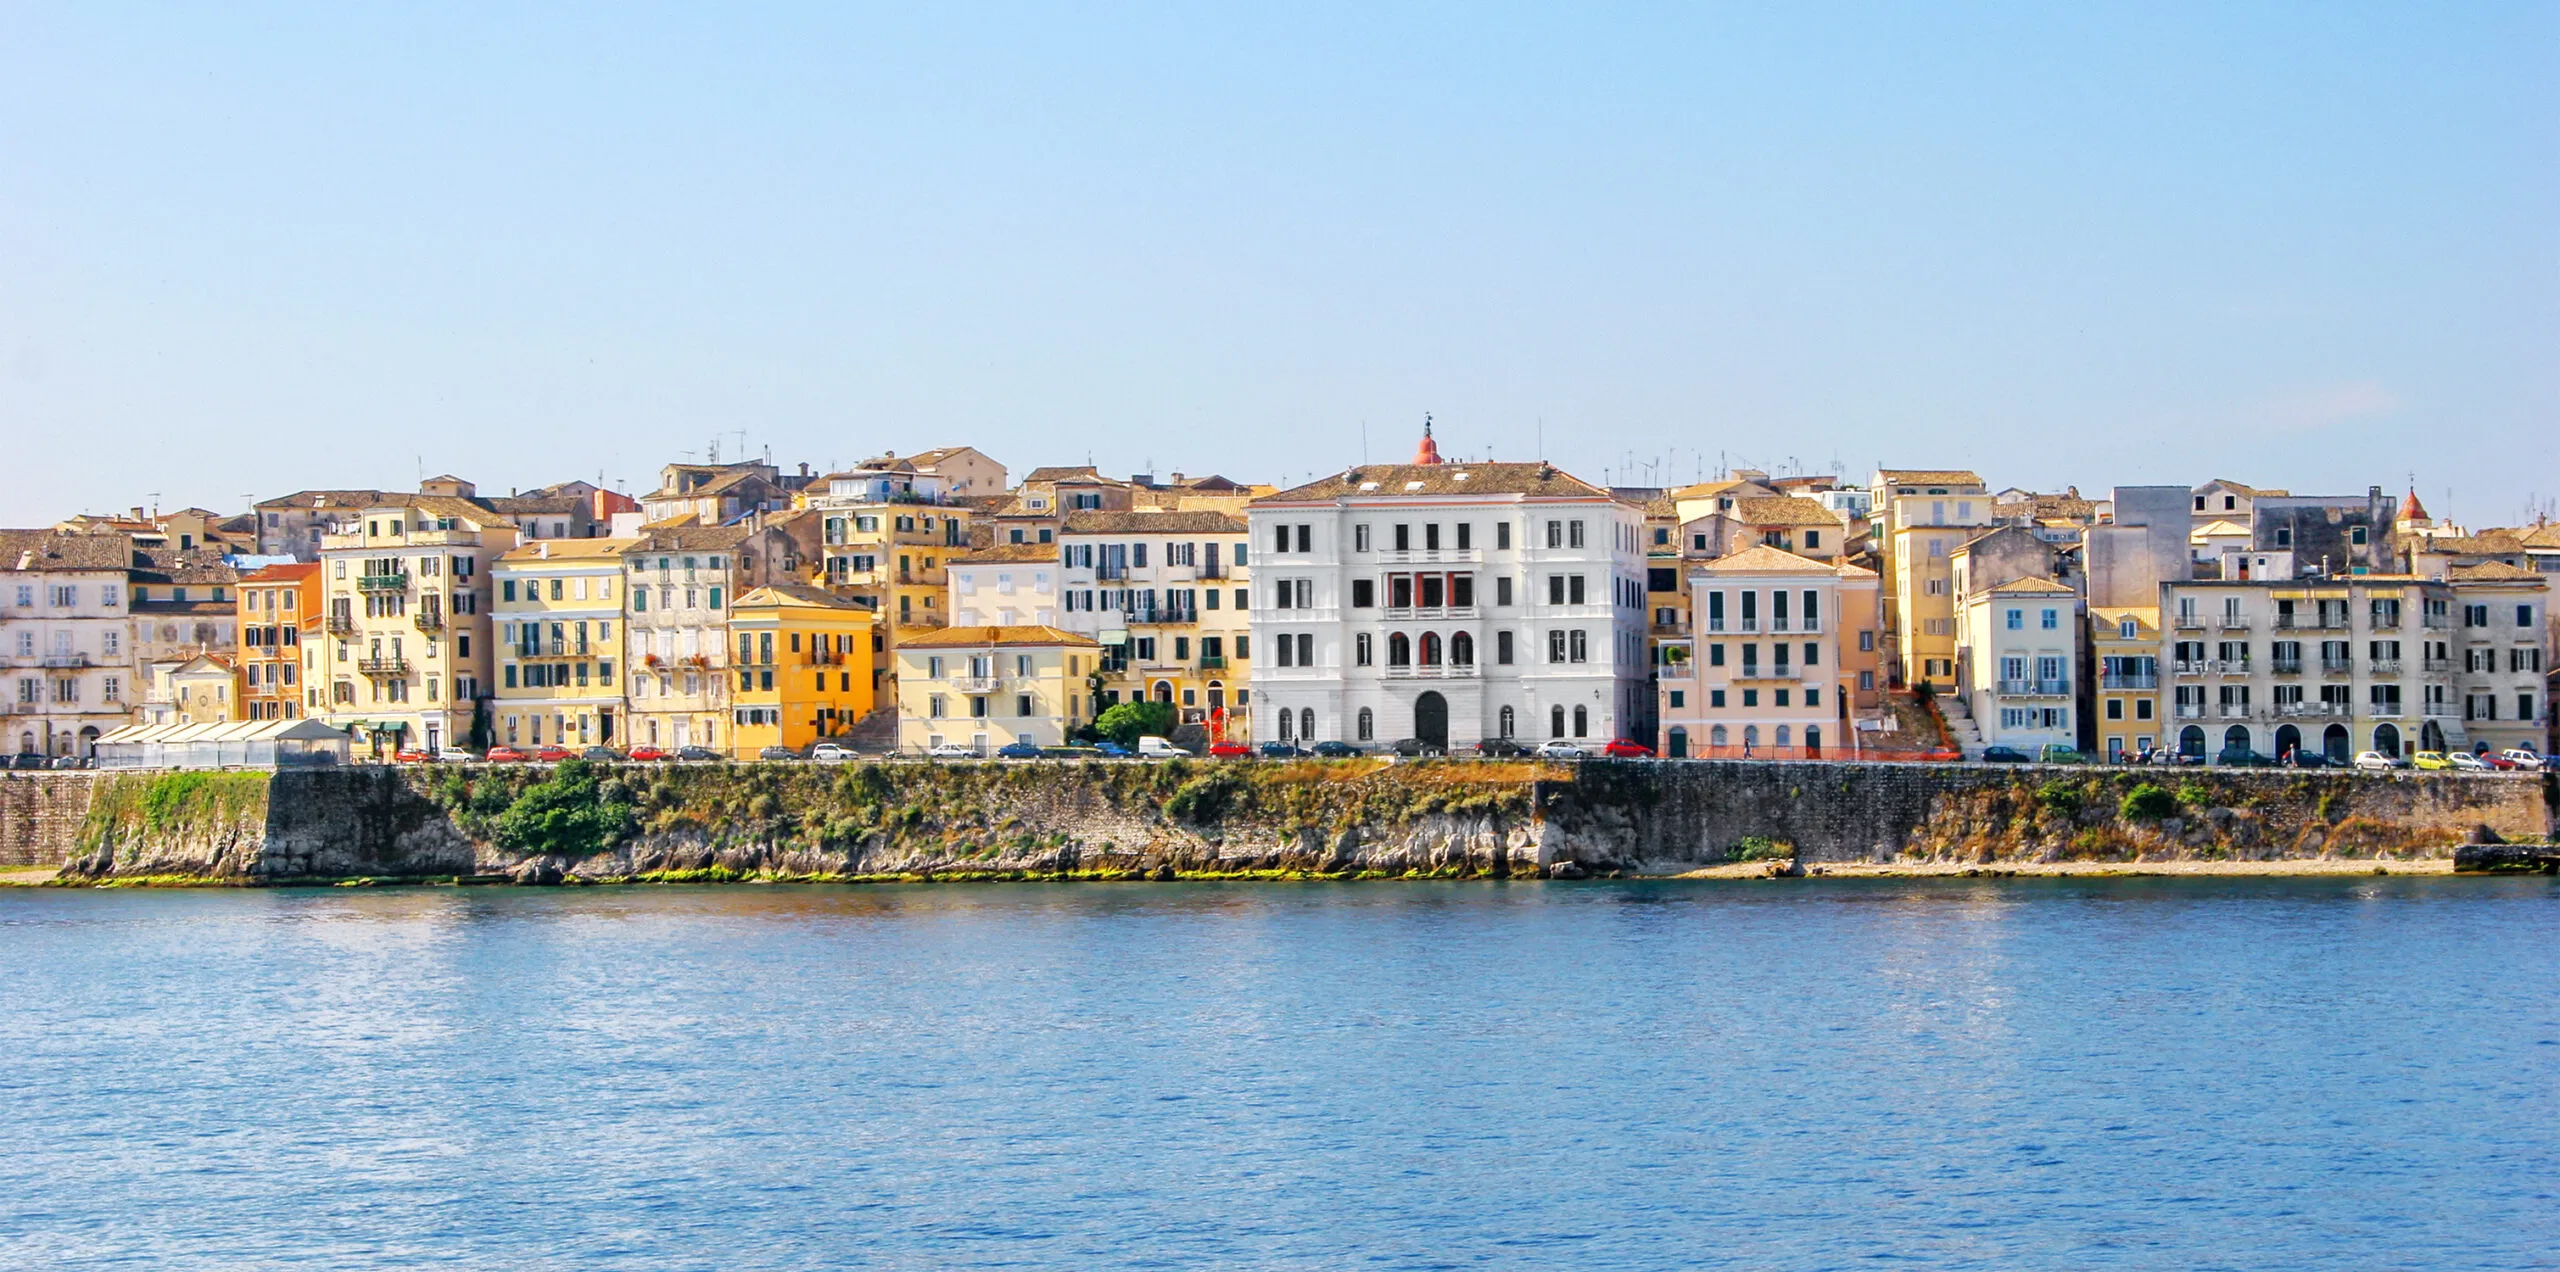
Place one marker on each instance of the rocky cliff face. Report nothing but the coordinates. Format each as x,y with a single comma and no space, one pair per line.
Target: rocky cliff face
1189,819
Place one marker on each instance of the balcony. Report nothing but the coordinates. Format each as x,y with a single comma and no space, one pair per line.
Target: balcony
2033,688
382,582
977,684
1681,670
383,666
342,625
2187,667
2442,710
1444,671
1432,614
2386,666
1754,671
429,620
2233,711
2129,680
1432,556
2233,623
2436,664
2188,711
2383,712
2186,621
1213,662
2296,709
2337,666
2286,666
2228,667
63,660
555,649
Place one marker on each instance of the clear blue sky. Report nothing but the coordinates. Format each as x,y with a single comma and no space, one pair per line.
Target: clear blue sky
248,249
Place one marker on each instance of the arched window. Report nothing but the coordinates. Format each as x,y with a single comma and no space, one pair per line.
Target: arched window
1431,649
1717,737
1288,726
2191,741
1581,722
1679,744
1783,735
2386,738
1368,724
1462,650
2236,738
1164,691
1217,695
1399,650
1307,723
1555,721
1750,736
1506,722
1812,739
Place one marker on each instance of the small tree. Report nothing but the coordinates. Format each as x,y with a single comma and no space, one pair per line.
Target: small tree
1127,722
571,813
2147,803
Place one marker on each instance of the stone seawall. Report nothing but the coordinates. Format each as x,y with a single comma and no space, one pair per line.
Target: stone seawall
1176,819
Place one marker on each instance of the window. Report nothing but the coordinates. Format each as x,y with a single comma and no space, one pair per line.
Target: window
1466,539
1502,650
1573,539
1555,647
1502,590
1361,650
1364,593
2052,620
1368,723
2014,620
1580,645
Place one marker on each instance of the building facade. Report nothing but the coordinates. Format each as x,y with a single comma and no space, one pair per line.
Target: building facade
279,614
1167,595
66,632
407,657
2126,713
2020,663
559,604
1760,667
801,656
987,687
676,621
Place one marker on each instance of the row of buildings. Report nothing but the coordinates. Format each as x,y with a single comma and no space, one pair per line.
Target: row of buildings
930,599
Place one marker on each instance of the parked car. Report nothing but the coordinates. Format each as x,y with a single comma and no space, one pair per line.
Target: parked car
2060,753
27,760
1501,749
650,754
2526,760
412,755
2377,762
1019,751
1111,750
1154,748
1560,749
2242,757
601,755
1334,750
698,753
2003,755
1622,749
1414,748
71,761
2466,762
506,755
454,755
1279,751
950,751
777,753
2306,759
831,753
2431,761
553,754
1229,751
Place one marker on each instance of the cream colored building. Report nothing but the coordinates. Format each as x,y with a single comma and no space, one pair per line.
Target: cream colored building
1922,536
1006,585
985,687
1167,595
2501,655
407,653
888,534
1762,667
2019,663
559,653
683,580
66,638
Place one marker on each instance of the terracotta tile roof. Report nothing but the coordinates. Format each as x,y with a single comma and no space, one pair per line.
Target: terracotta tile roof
1080,472
54,550
327,499
982,637
2490,543
1930,476
1761,558
182,565
2031,586
564,550
1010,554
1152,523
672,536
1784,510
795,596
2490,571
1379,481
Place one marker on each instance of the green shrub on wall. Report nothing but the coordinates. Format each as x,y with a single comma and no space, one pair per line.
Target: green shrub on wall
2147,803
570,813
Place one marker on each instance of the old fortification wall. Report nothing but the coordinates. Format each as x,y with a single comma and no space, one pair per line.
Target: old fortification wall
1223,819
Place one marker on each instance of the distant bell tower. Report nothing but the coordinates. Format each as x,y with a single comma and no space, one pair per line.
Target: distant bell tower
1429,451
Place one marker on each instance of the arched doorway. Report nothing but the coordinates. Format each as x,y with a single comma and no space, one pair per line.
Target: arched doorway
1368,725
2288,740
2430,736
1431,720
88,741
1217,694
2236,738
1812,741
2191,741
1679,744
2386,738
2334,743
1164,691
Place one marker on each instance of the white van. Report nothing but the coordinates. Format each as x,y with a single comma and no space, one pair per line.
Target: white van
1159,749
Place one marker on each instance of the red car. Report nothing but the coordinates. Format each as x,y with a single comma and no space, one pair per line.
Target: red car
1229,750
553,754
505,755
2499,762
408,756
648,753
1622,749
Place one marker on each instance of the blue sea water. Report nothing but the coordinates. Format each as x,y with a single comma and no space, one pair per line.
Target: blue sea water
1800,1074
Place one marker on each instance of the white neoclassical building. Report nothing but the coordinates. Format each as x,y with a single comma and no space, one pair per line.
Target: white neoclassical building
1448,602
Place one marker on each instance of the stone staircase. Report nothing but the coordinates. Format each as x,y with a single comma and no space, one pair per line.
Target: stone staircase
874,734
1961,725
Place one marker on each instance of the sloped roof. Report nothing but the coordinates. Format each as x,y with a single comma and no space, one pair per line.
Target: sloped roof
1930,476
1784,510
566,550
982,637
327,499
182,565
1010,554
796,596
1077,472
56,550
1760,558
1376,481
686,534
2217,529
2490,571
2032,586
282,572
1152,523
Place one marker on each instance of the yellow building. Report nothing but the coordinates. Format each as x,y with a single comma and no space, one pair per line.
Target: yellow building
405,581
984,687
802,659
205,690
2124,643
559,606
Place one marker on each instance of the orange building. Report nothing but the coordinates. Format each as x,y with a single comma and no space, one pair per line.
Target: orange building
280,617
